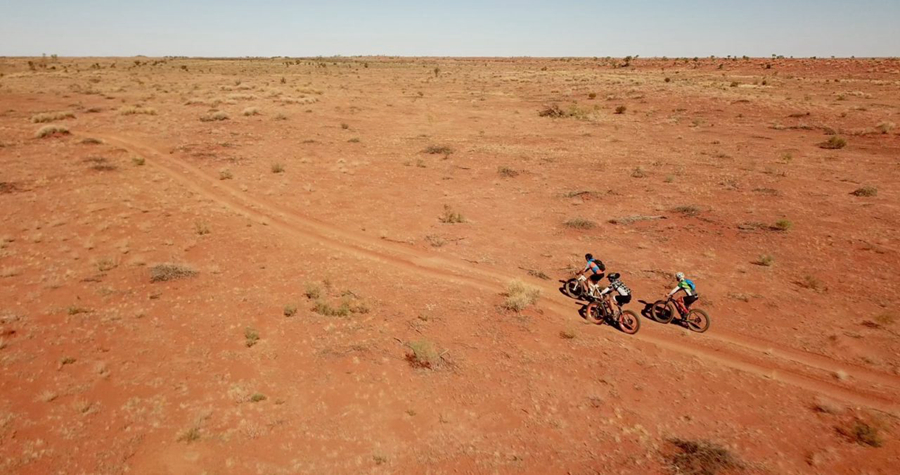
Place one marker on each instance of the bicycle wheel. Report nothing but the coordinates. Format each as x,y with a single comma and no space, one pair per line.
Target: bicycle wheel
593,313
629,322
663,311
697,320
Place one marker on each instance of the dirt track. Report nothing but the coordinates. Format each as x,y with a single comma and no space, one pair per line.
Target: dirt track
508,393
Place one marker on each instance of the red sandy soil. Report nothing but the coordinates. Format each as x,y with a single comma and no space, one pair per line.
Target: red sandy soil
104,371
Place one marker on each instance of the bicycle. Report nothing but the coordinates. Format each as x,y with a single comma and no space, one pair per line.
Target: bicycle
664,311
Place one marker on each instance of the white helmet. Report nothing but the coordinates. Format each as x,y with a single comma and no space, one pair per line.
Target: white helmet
679,276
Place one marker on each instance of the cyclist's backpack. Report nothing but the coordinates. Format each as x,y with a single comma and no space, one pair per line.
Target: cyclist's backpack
599,264
691,283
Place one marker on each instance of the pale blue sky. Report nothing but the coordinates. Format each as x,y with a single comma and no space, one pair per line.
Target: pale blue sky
451,28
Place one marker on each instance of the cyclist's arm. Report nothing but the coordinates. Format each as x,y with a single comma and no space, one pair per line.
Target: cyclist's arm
606,291
674,291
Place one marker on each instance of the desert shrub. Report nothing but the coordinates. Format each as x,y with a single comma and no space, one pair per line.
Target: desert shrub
567,334
51,130
345,125
313,291
280,117
277,168
507,172
217,116
91,141
422,354
324,308
250,111
258,397
438,150
135,110
735,84
553,111
686,210
138,161
700,458
765,260
225,174
353,140
812,283
783,225
290,310
190,435
51,116
865,191
451,217
833,143
539,274
167,272
580,223
621,109
885,127
592,95
886,319
638,172
520,295
668,79
202,228
251,337
863,433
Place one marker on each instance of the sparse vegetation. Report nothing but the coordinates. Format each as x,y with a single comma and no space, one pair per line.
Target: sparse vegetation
700,458
438,150
290,310
867,191
277,168
765,260
638,172
686,210
202,228
136,110
251,337
621,109
325,309
168,272
190,435
51,116
258,397
812,283
885,127
519,296
51,130
313,291
580,223
862,433
783,225
250,111
138,161
422,354
507,172
833,143
225,174
75,310
216,116
567,334
451,217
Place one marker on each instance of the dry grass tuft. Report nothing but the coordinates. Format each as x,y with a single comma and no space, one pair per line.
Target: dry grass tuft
865,191
580,223
250,111
451,217
422,354
51,116
135,110
167,272
51,130
833,143
214,117
438,150
520,295
700,458
862,433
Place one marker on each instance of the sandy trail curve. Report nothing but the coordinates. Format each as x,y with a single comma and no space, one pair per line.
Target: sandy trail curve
813,372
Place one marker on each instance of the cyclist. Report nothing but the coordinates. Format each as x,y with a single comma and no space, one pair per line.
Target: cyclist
615,284
690,290
595,267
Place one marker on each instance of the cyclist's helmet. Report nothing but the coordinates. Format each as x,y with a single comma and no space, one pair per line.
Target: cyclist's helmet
679,276
613,277
588,257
